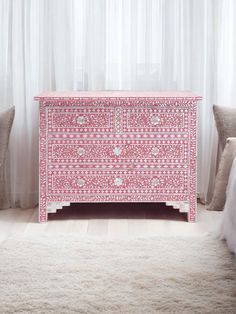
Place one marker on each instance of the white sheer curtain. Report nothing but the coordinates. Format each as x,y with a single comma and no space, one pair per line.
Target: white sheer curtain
112,44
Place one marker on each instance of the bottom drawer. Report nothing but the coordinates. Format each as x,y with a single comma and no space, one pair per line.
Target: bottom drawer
117,182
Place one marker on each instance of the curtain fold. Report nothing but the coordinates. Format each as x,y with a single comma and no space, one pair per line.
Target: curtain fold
119,45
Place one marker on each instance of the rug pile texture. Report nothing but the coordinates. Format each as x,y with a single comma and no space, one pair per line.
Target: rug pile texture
146,275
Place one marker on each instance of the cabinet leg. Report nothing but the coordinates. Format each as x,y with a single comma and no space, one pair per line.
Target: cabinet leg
192,210
43,216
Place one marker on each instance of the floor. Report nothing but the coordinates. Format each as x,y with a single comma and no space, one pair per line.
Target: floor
109,221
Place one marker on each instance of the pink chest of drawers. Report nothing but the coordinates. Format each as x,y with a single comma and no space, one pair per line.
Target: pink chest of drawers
117,147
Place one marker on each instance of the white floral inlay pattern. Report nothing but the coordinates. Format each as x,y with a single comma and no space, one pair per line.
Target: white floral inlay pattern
155,151
155,120
80,182
81,120
81,151
155,182
117,151
118,181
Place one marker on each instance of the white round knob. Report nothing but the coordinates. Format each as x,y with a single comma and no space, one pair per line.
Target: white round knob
155,182
81,120
155,120
118,181
117,151
81,151
155,151
80,182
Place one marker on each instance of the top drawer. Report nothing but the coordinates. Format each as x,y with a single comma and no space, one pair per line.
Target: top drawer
155,120
117,120
81,119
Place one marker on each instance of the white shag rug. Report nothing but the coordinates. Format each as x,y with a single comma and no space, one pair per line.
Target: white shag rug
148,275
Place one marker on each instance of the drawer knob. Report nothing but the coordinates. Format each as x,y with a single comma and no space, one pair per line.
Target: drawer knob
155,120
155,182
80,182
81,120
118,181
81,151
117,151
154,151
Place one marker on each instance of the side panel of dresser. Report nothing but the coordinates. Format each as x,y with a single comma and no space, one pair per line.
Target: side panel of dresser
42,162
193,163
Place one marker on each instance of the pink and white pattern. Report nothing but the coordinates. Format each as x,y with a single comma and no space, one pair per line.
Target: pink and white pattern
113,151
117,147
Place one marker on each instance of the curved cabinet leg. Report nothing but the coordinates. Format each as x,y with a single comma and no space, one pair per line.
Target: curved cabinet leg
183,207
52,207
189,207
192,209
43,215
49,207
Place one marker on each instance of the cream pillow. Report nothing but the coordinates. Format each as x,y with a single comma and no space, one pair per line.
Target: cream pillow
225,118
6,119
219,195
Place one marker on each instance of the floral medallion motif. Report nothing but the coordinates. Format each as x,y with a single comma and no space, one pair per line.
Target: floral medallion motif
81,151
118,181
81,120
80,182
155,151
155,182
155,120
117,151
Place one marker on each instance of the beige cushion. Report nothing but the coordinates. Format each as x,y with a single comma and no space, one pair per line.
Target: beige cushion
219,195
6,119
225,118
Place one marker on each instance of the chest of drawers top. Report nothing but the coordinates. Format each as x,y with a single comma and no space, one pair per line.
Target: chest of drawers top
172,95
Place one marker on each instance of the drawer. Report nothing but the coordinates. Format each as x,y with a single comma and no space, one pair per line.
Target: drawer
118,151
110,182
84,119
155,120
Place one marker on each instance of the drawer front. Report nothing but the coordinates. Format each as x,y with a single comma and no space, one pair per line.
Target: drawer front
155,120
83,120
118,182
118,151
